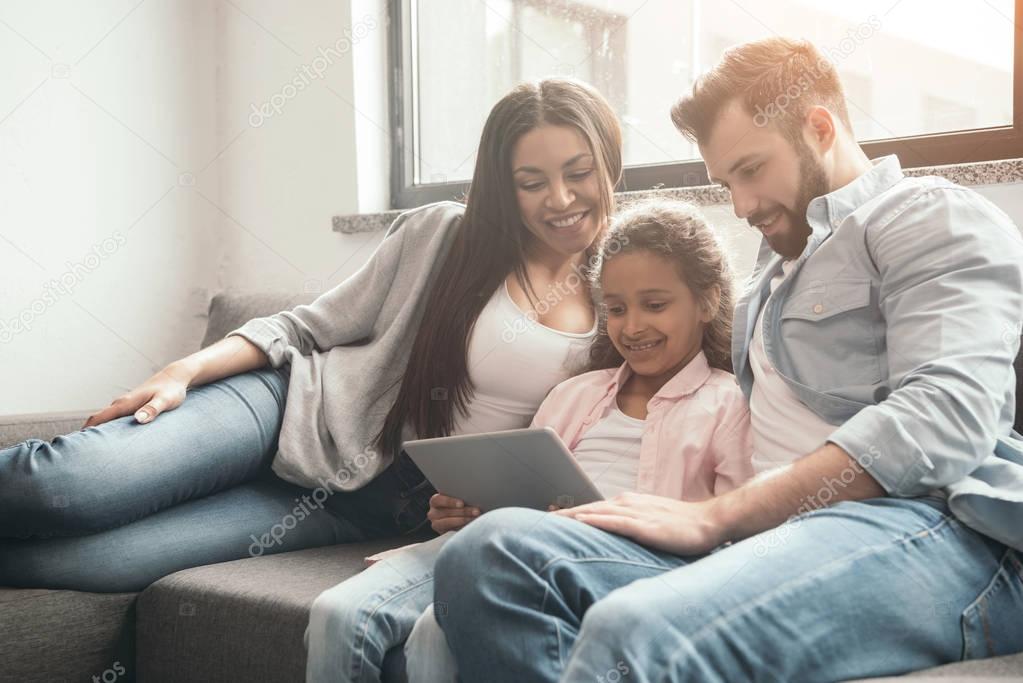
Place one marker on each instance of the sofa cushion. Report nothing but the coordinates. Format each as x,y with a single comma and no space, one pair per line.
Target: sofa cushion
68,636
230,310
17,428
993,670
243,620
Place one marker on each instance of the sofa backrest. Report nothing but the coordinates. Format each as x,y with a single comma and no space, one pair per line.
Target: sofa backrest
230,310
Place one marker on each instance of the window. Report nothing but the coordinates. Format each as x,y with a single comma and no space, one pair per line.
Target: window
936,81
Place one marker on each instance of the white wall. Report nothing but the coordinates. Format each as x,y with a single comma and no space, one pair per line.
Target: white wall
133,169
95,133
130,122
285,177
1008,197
290,172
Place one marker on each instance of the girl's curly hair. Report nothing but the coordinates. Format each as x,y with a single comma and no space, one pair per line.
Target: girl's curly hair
678,232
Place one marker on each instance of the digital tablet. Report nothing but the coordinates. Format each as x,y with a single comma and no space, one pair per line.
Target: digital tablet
520,467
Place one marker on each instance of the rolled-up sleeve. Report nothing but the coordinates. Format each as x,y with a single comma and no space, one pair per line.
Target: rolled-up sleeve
951,293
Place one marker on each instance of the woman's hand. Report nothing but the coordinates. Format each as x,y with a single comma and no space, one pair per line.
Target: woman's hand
163,391
447,513
667,524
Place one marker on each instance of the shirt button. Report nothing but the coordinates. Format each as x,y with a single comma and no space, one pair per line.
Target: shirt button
818,308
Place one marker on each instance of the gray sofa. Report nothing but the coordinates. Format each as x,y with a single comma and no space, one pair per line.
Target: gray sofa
230,622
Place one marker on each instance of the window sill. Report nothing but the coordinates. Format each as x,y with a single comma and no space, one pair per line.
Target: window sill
978,173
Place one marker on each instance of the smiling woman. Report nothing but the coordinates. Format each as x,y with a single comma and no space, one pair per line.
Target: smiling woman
413,343
541,195
557,197
542,191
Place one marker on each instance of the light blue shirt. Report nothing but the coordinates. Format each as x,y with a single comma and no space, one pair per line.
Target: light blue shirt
899,324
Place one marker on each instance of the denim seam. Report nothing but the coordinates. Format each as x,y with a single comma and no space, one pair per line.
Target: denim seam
547,589
974,606
616,560
946,521
557,633
358,645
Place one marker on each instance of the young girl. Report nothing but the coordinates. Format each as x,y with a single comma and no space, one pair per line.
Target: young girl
659,413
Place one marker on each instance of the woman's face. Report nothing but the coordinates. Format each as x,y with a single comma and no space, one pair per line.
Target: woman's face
557,185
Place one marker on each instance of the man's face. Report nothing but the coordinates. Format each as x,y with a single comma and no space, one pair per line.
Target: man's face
771,179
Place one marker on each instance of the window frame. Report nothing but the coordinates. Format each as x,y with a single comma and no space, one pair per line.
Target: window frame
935,149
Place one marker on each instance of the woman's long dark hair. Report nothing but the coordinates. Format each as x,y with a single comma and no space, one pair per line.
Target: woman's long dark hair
491,244
679,233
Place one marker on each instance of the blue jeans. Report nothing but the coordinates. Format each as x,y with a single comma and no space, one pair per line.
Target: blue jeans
429,658
870,588
114,507
355,626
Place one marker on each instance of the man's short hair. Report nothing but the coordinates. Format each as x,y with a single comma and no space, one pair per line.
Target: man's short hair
776,79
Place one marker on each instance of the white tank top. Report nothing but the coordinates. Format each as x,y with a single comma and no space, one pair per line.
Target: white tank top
514,362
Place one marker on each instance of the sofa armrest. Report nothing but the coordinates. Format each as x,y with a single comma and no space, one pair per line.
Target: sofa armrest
17,428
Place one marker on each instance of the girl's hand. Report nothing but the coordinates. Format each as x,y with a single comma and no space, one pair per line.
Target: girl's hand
447,513
163,391
667,524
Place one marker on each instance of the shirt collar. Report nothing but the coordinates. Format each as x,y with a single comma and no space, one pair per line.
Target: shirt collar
827,212
686,381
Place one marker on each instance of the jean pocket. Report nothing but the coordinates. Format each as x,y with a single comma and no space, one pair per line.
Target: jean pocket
991,624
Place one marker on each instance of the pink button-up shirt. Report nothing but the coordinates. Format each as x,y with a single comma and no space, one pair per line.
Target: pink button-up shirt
697,442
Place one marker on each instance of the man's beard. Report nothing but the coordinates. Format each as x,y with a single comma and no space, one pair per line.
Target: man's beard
813,182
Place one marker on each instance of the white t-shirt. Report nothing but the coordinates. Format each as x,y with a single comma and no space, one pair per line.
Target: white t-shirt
784,429
609,452
514,362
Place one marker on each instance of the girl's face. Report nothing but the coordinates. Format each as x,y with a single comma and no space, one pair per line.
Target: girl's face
558,189
653,318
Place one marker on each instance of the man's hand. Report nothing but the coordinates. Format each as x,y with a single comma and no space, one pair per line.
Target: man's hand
448,514
667,524
825,477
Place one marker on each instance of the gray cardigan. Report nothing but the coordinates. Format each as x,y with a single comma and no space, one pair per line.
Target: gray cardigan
348,350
